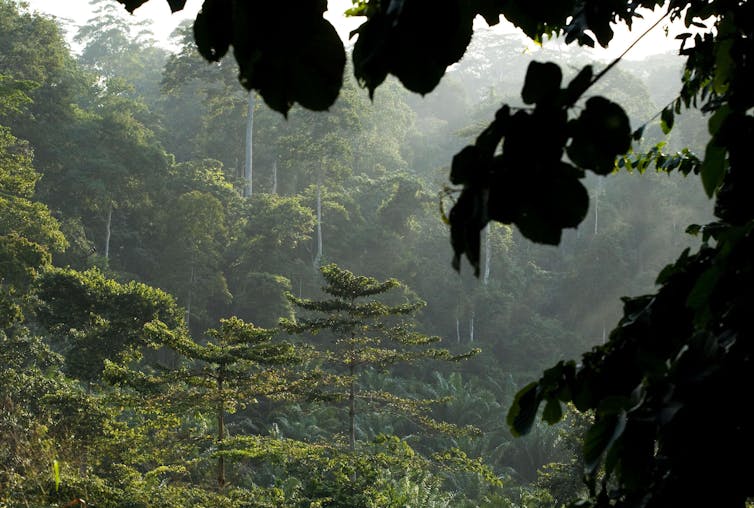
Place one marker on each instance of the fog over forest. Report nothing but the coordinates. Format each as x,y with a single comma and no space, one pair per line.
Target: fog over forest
204,303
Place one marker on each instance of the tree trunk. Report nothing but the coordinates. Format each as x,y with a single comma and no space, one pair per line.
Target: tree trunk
352,407
108,229
487,254
318,257
190,294
220,430
596,212
471,326
597,205
248,165
275,177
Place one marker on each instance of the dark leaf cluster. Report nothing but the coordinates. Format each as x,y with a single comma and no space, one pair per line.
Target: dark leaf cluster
286,51
528,183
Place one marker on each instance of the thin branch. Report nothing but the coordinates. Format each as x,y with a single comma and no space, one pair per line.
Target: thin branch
614,62
656,115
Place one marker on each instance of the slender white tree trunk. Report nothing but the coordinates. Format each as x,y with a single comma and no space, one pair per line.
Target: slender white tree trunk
458,330
352,403
275,177
190,294
597,205
248,165
108,229
220,430
471,326
487,254
318,257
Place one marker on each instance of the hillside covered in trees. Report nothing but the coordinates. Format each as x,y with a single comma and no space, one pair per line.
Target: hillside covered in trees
203,303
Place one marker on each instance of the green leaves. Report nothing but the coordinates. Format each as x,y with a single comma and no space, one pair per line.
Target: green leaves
715,164
600,437
523,411
667,118
713,168
56,474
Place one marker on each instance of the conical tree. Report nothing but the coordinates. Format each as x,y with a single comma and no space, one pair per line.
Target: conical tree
238,364
365,333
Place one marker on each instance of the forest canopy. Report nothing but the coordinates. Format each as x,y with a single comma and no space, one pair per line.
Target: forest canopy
211,295
677,359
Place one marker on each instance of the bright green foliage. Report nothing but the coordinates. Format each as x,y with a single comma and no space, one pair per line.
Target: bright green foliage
236,366
13,94
364,333
48,77
92,318
28,232
385,472
23,33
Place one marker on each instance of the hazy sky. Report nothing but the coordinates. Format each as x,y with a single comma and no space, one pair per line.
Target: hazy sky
79,11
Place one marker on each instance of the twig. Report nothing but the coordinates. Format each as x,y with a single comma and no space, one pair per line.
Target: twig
614,62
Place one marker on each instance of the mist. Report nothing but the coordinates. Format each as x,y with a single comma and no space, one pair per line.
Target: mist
165,214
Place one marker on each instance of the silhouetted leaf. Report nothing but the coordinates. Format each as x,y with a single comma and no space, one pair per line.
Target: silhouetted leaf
212,31
542,83
132,5
464,164
555,202
523,410
638,133
599,16
415,42
488,9
599,135
317,71
467,218
667,118
370,56
713,168
578,85
717,120
599,437
552,412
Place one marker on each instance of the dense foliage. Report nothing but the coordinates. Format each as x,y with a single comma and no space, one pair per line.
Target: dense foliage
134,259
663,377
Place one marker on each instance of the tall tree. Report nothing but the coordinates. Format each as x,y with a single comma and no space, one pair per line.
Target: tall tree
366,333
237,364
195,237
116,49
